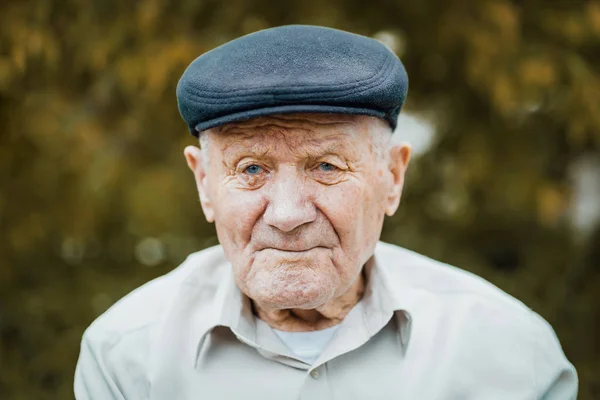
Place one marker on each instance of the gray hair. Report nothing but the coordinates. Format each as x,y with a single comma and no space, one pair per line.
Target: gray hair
381,138
203,140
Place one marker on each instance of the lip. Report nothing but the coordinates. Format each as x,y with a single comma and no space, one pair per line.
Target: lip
289,250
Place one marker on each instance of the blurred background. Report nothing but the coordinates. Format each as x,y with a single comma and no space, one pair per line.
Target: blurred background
95,197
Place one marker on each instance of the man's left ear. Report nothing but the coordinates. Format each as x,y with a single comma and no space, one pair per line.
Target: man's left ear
399,158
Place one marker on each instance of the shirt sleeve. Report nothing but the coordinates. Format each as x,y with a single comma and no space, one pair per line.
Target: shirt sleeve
94,379
556,378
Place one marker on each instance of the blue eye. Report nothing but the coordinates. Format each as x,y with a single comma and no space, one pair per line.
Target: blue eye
326,167
253,169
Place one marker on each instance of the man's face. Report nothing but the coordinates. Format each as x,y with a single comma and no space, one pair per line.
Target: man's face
298,202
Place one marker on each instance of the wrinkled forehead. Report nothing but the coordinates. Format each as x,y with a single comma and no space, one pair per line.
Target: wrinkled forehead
307,121
304,130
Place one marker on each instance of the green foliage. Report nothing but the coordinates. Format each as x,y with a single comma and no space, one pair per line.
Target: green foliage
95,198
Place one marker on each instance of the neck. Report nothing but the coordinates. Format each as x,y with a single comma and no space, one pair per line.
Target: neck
325,316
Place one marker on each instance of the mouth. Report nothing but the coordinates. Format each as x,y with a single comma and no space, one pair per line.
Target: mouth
293,249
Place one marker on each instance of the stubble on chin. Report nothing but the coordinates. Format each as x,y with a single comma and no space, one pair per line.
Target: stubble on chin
291,280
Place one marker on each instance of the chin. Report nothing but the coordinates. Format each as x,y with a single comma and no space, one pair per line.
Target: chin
305,298
293,285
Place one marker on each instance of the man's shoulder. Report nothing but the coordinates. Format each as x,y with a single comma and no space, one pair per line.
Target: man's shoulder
147,305
119,344
493,325
446,283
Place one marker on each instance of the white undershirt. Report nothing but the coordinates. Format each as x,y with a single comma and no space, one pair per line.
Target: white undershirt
307,346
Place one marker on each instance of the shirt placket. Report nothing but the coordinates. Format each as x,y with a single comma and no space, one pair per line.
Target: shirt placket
316,385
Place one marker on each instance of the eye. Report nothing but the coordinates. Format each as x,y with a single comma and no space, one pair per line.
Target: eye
328,173
326,167
253,169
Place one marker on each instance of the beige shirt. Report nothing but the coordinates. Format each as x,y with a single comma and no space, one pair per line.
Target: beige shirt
423,330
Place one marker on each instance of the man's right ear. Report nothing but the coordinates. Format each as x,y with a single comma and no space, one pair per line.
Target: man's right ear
195,161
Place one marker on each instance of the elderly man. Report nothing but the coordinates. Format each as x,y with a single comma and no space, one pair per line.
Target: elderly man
300,300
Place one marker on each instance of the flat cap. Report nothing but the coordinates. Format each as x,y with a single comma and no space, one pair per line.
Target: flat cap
292,69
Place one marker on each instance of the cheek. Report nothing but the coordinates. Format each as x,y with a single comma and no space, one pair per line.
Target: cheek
356,211
351,205
343,205
236,213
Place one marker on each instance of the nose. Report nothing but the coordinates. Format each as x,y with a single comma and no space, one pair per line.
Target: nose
290,204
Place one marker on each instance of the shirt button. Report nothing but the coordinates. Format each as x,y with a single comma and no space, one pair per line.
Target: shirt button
315,373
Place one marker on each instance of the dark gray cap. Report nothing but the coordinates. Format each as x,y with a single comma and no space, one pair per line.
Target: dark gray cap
292,69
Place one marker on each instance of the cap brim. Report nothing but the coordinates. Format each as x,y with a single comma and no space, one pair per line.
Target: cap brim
285,109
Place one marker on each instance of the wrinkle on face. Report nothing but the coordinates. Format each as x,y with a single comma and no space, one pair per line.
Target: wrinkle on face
244,131
297,143
289,121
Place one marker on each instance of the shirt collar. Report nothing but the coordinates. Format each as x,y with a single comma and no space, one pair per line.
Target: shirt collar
385,296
